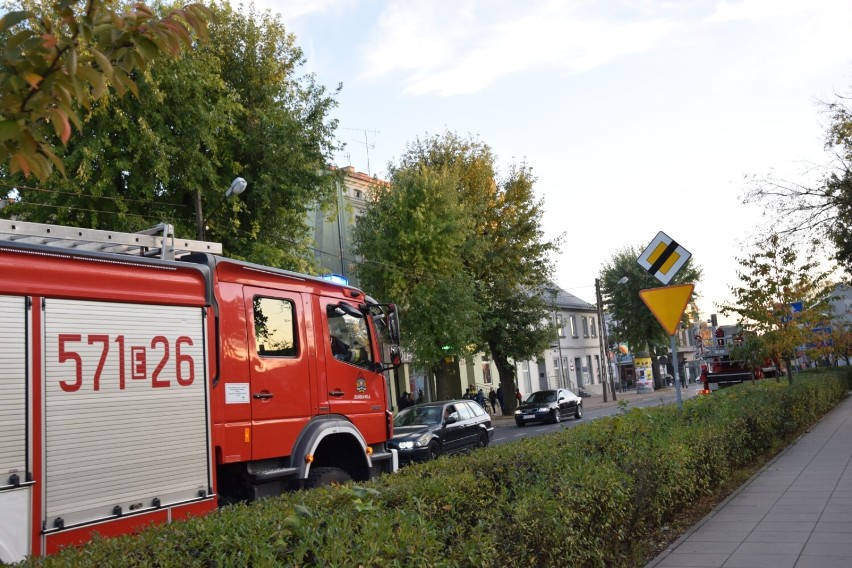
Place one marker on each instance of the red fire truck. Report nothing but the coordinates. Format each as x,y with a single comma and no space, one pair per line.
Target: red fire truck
145,379
719,370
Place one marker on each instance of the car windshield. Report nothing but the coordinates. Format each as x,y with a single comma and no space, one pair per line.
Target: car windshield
417,416
542,396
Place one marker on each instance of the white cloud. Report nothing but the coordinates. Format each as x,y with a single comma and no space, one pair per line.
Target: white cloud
467,48
756,9
293,9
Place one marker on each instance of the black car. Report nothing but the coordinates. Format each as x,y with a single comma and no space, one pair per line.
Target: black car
549,406
426,431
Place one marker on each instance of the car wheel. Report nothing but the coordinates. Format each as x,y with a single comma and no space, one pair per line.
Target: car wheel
579,412
520,423
322,476
434,450
557,416
483,439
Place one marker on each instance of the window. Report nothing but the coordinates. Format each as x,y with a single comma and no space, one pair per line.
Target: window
465,411
598,368
594,327
350,337
585,327
274,327
475,409
560,325
558,369
573,321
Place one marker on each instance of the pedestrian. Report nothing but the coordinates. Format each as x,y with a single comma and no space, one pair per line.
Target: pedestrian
480,399
419,396
518,397
492,398
500,396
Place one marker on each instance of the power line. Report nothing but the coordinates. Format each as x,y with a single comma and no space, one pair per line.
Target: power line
75,194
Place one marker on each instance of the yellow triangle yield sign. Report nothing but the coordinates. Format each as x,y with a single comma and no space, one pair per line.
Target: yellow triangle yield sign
668,304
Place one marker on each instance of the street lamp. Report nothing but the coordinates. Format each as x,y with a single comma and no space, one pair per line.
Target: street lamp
237,187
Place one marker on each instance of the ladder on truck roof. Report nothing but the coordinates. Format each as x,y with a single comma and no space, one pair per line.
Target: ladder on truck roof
157,242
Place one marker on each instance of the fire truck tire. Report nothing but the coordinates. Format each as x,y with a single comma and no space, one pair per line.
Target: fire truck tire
321,476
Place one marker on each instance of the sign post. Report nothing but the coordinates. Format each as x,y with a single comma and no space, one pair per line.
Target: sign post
663,259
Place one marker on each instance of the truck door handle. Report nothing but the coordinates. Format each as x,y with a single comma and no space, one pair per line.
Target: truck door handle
337,393
262,395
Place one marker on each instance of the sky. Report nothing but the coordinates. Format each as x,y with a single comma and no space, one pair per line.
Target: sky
636,116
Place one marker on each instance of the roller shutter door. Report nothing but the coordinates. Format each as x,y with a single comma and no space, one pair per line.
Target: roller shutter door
126,414
13,390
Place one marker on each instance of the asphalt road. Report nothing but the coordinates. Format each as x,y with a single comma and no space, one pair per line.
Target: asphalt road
505,429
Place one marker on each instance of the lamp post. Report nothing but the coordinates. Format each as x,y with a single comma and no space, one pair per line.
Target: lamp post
237,187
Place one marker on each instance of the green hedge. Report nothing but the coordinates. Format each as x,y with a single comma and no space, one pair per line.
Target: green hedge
588,494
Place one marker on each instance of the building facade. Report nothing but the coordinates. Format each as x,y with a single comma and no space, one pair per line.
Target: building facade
573,360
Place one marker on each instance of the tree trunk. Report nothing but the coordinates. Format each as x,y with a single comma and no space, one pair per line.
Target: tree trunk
506,372
655,367
777,363
788,361
447,379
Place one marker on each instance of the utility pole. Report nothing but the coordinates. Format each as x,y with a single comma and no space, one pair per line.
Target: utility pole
605,368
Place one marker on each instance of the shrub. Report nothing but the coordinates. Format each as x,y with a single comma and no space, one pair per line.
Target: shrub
582,494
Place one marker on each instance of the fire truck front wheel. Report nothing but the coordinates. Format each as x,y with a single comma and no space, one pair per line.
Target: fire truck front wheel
321,476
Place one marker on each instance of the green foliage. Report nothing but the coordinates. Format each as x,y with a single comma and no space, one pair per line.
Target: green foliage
581,495
493,231
423,270
772,278
64,55
234,106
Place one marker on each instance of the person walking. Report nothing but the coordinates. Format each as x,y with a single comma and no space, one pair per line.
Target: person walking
480,399
518,397
492,398
500,396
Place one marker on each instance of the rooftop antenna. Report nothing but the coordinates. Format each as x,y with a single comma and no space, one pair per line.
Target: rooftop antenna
367,145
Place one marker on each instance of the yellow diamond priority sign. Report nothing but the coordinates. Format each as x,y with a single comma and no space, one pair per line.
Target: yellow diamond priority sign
668,303
663,258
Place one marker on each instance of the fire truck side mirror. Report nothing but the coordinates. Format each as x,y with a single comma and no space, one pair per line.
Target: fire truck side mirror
393,324
395,360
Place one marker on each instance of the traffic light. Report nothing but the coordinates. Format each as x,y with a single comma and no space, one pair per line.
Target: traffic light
713,321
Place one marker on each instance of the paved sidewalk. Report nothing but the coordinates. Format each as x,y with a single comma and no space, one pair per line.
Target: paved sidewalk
796,512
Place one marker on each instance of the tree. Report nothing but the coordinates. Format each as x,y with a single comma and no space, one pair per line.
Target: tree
413,240
637,326
822,208
772,281
502,252
63,55
235,106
